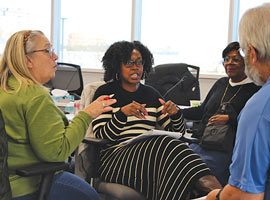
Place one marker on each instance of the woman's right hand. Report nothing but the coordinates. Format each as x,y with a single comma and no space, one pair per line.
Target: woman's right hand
100,105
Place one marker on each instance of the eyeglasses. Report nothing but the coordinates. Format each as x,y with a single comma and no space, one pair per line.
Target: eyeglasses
50,51
242,53
232,59
138,63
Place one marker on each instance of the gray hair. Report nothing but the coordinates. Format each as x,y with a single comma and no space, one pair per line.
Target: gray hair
254,29
30,40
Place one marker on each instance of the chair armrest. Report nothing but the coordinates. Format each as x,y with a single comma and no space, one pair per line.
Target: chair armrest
190,140
42,168
91,156
193,127
96,141
47,171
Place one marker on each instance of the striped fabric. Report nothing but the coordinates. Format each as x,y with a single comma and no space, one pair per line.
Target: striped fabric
160,167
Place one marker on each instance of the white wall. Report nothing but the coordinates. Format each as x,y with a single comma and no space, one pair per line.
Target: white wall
206,80
92,76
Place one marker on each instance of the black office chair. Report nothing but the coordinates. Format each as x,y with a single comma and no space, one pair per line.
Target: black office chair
178,82
89,162
46,170
67,77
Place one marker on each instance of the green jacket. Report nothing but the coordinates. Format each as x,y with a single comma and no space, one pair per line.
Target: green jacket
37,131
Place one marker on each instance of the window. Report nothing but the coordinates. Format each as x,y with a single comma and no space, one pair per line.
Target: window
90,27
18,15
245,5
193,32
242,7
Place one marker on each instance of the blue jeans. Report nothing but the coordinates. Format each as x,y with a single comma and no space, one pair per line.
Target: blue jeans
218,162
67,186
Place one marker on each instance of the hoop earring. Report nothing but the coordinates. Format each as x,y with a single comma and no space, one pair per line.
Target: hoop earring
143,75
116,76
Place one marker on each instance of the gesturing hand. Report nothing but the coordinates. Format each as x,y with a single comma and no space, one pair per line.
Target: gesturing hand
100,105
168,107
135,109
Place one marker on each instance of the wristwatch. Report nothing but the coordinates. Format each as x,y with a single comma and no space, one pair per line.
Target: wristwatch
218,194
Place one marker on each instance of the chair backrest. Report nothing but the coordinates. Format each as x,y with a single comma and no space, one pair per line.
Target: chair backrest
67,77
81,160
178,82
5,191
88,92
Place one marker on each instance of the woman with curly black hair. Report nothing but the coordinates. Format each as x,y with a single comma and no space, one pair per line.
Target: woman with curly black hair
160,167
120,52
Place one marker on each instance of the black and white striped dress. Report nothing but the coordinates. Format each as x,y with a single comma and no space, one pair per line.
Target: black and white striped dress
159,167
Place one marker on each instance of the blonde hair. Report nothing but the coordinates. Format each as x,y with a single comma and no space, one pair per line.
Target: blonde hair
13,61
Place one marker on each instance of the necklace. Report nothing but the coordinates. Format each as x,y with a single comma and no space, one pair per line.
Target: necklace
232,96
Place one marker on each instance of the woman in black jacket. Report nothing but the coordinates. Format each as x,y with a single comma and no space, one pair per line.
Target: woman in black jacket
235,89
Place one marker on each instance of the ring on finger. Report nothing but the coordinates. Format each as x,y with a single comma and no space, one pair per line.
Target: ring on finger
140,112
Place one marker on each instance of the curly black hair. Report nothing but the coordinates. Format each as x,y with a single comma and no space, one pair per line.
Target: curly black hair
120,52
230,47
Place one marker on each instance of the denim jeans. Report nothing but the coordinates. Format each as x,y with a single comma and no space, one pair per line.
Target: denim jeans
218,162
67,186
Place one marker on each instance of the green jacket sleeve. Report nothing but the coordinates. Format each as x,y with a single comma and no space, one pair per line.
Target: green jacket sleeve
51,136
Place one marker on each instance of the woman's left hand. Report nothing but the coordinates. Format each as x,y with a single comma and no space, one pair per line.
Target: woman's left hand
168,107
135,109
218,120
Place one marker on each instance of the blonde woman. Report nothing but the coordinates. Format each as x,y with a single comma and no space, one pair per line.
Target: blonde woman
37,130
